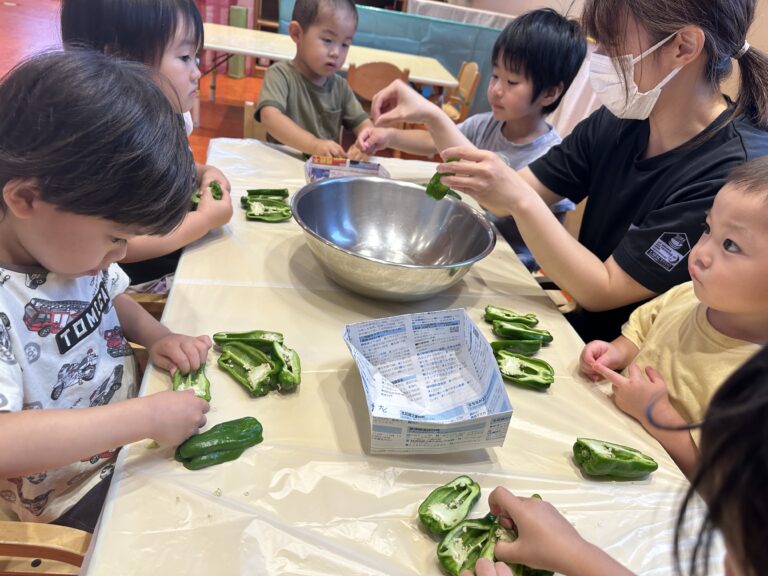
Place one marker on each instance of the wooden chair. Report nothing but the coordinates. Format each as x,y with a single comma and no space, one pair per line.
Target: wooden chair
252,128
367,79
30,548
457,102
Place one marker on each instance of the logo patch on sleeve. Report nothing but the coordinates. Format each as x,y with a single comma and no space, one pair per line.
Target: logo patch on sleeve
669,249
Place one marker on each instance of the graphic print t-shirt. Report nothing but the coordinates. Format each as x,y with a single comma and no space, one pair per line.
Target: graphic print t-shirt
61,346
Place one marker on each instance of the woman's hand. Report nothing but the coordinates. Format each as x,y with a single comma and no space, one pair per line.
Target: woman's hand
399,103
484,176
180,352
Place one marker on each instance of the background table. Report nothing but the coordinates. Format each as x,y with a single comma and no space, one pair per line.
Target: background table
232,40
310,500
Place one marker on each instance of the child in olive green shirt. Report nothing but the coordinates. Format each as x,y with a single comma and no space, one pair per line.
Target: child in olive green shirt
304,103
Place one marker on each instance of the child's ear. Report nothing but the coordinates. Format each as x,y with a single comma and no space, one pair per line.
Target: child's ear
551,94
294,30
20,196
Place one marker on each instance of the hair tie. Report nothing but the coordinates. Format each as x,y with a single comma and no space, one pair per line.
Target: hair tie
742,51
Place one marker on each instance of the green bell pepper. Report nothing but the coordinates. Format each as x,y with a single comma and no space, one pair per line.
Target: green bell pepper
249,366
196,380
289,367
600,458
222,443
465,544
514,331
268,210
531,372
261,339
216,192
435,188
449,504
527,347
498,313
278,192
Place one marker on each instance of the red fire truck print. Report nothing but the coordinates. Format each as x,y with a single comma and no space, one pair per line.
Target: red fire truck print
47,316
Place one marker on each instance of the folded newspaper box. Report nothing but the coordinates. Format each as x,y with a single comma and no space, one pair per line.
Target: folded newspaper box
321,167
431,383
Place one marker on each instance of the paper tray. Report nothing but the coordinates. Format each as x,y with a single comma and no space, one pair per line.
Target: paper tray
431,383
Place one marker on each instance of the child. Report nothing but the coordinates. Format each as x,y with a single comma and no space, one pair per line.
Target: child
731,479
303,103
697,333
535,59
166,35
86,142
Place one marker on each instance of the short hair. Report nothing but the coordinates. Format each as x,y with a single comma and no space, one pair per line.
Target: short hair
133,29
751,177
100,138
733,470
545,47
306,12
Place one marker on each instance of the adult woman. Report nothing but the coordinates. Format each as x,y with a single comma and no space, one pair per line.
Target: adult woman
650,161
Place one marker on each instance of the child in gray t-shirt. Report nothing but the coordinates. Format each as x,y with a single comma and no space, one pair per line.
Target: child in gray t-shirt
535,59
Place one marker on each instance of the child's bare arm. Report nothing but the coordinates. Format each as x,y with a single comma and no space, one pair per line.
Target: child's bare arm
210,214
37,440
288,132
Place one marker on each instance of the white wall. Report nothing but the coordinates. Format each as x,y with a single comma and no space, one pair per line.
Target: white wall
571,7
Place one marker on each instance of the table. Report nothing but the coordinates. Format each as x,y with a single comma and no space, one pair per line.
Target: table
309,500
261,44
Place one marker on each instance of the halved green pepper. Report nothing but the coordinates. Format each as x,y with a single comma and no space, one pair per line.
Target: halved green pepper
465,544
223,442
289,367
514,331
527,347
435,188
279,192
600,458
531,372
449,504
216,192
261,339
498,313
249,366
267,210
196,380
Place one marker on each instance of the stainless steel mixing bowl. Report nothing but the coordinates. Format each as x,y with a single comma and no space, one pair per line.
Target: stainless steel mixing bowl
387,239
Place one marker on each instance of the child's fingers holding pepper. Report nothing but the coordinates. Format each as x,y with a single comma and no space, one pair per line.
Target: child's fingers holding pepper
216,212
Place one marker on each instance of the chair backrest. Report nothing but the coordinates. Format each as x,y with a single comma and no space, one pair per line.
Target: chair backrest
251,127
367,79
469,75
35,548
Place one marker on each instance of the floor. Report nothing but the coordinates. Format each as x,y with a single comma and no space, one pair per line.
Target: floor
29,26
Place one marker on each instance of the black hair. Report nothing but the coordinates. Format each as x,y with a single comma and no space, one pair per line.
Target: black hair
100,138
133,29
547,48
306,12
751,177
733,471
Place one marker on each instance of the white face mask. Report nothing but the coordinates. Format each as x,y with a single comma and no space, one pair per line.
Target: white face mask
608,83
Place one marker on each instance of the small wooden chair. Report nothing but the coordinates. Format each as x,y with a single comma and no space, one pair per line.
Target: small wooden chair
368,79
31,548
457,102
251,127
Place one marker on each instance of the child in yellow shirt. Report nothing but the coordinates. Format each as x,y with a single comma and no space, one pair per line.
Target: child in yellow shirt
697,333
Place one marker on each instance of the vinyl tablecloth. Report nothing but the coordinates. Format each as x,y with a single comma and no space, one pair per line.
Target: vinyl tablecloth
310,499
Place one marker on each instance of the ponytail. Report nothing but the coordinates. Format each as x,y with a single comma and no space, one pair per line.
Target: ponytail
752,100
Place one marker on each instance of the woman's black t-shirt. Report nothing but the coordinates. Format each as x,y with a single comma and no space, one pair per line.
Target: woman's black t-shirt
646,213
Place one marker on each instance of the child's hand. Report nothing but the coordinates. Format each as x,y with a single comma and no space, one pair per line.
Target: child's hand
398,103
175,416
633,394
354,153
599,352
545,538
485,567
373,139
177,351
328,148
210,173
216,212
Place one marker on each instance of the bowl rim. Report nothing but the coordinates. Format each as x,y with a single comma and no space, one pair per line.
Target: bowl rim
304,190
